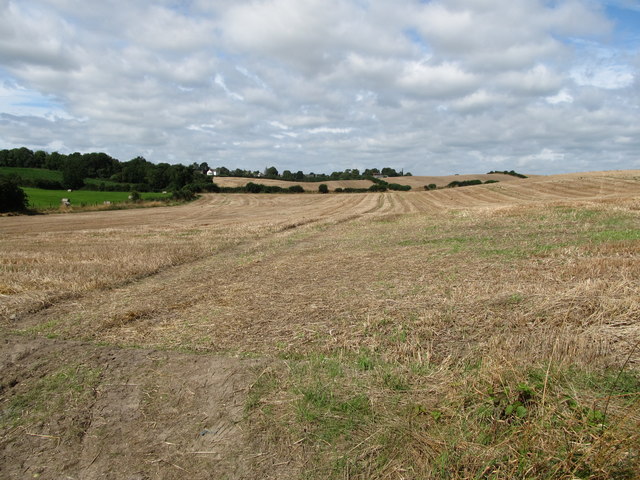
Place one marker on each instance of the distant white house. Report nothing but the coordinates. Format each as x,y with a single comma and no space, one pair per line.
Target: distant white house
212,173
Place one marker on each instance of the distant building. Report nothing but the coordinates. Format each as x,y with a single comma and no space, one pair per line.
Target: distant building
212,173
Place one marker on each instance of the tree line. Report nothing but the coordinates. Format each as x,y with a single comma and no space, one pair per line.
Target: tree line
136,174
141,175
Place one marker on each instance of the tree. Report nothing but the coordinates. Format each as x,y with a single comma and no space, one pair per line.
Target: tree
135,170
39,158
287,175
159,176
271,172
73,172
390,172
12,197
180,176
55,161
322,188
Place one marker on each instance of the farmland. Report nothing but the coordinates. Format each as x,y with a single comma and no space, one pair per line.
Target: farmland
479,332
44,199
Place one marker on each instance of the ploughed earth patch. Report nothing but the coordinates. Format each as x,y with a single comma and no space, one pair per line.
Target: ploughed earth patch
75,410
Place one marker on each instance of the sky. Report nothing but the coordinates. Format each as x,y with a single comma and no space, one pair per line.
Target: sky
430,87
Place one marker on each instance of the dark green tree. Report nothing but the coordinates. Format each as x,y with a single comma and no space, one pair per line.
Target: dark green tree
390,172
180,176
323,188
287,175
271,172
55,161
135,170
73,172
12,197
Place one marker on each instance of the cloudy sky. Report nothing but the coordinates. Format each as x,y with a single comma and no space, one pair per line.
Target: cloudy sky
434,87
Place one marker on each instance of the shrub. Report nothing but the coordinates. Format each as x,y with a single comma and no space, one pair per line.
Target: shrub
322,188
46,184
338,190
510,172
135,196
186,193
464,183
254,187
12,197
378,187
210,187
296,189
398,187
431,186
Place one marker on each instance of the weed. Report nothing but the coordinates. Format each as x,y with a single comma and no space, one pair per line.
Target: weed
51,395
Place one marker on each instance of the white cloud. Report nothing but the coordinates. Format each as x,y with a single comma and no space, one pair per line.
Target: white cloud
429,86
444,80
563,96
609,77
219,80
333,130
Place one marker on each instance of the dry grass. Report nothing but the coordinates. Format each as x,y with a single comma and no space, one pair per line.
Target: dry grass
477,332
308,186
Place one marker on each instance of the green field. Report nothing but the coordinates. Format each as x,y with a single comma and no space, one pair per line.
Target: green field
56,176
39,198
33,173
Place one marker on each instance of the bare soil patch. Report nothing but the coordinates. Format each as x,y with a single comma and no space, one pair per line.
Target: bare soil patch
74,410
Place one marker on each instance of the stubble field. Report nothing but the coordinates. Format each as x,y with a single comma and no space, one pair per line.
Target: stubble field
479,332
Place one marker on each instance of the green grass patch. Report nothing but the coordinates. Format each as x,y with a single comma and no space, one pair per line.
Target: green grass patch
42,199
38,400
33,173
498,422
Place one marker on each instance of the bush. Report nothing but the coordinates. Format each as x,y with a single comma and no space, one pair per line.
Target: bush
338,190
431,186
135,196
296,189
378,187
254,187
186,193
401,188
464,183
323,188
46,184
510,172
12,197
210,188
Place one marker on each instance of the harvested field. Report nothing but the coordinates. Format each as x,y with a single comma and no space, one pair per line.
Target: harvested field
416,182
308,186
479,332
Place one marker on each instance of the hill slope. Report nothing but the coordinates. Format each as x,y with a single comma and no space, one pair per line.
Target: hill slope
458,333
